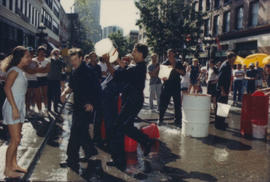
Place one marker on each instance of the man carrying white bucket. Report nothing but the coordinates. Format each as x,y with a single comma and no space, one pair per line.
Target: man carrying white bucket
223,87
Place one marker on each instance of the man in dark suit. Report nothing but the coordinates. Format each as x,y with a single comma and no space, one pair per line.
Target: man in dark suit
86,89
223,86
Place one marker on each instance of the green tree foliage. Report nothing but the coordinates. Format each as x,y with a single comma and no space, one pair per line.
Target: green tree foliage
124,46
172,24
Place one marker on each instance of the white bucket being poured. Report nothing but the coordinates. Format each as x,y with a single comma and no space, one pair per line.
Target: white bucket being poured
105,46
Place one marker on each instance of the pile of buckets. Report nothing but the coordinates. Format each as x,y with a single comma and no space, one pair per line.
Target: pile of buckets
254,115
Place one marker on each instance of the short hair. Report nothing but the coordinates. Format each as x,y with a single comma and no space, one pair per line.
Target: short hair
41,48
87,56
142,48
195,60
55,50
212,61
75,51
230,55
154,54
91,53
170,50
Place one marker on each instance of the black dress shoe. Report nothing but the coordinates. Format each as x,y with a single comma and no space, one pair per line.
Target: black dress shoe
84,159
121,165
53,143
91,152
178,124
73,166
160,123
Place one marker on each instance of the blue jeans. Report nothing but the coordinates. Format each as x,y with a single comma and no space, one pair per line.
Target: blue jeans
237,90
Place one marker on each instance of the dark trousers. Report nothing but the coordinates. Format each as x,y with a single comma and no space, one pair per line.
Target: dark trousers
79,136
54,93
237,90
220,121
165,98
251,86
110,113
124,125
97,119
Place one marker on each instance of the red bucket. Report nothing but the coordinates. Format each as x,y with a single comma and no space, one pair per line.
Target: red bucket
151,131
130,145
103,130
132,159
254,110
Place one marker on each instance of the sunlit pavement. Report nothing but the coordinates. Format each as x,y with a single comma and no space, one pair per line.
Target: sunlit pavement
222,156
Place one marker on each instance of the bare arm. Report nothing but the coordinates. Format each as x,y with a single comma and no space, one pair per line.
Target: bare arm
64,94
45,69
9,83
30,71
106,58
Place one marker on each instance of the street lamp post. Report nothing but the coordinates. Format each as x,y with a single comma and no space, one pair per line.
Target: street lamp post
209,41
42,35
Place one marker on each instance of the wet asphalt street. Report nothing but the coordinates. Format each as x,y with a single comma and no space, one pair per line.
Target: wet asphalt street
222,156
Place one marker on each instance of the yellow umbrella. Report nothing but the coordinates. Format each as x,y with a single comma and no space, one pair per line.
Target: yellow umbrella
266,60
239,60
254,58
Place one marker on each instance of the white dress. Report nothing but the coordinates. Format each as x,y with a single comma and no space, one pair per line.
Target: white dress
18,89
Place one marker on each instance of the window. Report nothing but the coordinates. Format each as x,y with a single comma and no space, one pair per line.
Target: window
18,5
200,5
217,3
55,27
239,18
25,8
29,11
206,27
215,26
38,19
56,9
254,10
227,1
208,5
226,21
49,3
11,5
4,2
21,7
33,15
49,21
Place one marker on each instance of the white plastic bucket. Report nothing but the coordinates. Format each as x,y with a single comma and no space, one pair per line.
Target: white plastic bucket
196,130
223,109
258,131
196,115
105,46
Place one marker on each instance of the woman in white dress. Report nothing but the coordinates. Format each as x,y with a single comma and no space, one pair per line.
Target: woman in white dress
14,107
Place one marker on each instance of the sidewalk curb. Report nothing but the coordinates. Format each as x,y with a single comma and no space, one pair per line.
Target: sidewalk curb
40,150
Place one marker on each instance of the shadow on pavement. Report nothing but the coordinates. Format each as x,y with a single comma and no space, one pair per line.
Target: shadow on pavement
220,142
95,173
153,168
